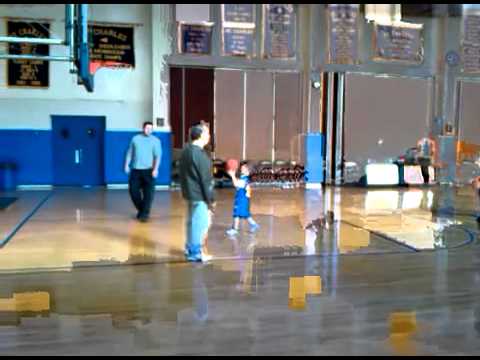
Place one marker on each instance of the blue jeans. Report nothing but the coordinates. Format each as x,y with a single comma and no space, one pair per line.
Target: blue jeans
197,228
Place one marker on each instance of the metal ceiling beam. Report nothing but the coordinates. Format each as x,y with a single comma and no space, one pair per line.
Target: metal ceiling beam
34,57
68,40
37,41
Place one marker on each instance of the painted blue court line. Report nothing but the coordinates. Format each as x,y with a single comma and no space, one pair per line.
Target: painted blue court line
24,220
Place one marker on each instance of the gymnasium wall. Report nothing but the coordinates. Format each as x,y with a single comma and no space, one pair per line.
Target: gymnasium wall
123,96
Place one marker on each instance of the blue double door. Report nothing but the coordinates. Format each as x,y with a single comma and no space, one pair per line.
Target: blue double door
78,150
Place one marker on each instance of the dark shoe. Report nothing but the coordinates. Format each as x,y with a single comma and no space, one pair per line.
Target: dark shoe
143,219
478,220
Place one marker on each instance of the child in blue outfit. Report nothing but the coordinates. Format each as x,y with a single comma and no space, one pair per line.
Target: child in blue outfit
241,205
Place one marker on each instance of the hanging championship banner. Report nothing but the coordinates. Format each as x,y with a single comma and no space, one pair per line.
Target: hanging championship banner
343,33
239,13
238,29
195,39
280,26
238,42
399,43
28,73
111,46
471,43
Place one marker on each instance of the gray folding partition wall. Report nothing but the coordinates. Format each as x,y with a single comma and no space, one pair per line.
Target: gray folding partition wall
384,116
257,115
288,120
469,112
468,125
260,115
229,113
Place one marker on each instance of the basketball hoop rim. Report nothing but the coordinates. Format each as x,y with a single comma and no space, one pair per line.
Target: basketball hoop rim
96,65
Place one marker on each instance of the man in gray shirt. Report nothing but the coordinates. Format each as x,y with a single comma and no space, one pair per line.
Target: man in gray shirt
142,162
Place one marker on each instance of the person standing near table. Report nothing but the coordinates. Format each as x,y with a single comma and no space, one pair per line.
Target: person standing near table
425,156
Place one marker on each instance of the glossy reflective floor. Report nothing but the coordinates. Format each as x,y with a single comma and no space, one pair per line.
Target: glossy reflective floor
397,273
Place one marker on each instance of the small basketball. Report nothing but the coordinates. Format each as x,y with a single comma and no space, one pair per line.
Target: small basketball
231,165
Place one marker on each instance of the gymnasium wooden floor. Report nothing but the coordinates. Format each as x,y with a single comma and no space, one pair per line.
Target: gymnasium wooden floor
398,273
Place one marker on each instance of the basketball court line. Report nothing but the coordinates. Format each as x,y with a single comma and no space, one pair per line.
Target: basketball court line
470,238
24,220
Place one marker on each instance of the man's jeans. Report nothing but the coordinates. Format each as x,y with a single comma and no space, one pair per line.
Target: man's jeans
198,222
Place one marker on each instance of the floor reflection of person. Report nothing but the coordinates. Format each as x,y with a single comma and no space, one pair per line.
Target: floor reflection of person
443,203
200,295
476,187
476,323
142,246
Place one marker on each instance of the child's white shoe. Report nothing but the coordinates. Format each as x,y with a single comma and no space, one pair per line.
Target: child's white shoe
206,257
232,232
254,228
